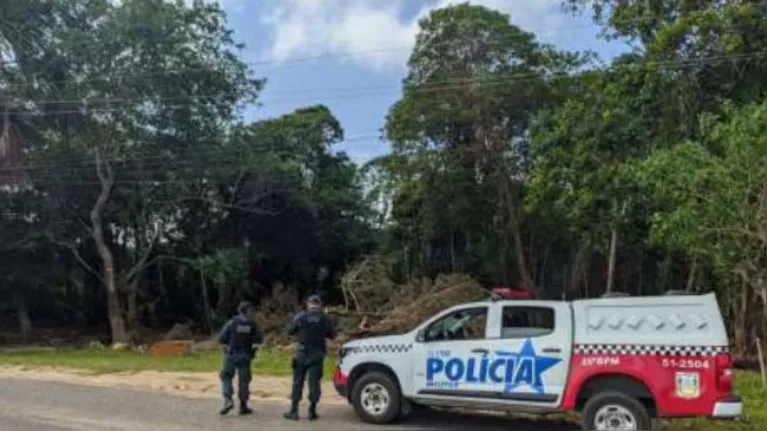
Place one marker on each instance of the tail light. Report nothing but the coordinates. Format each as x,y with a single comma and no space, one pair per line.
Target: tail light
724,374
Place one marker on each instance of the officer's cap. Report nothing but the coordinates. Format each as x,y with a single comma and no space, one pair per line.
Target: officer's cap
314,299
244,307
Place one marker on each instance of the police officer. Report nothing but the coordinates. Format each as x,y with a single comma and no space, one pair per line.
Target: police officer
240,336
311,327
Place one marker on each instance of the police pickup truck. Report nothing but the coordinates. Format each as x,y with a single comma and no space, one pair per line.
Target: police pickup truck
619,361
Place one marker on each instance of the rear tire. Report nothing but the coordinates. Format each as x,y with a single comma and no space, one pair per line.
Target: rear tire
376,398
615,411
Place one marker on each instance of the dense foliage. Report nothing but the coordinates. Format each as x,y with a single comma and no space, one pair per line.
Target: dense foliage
135,195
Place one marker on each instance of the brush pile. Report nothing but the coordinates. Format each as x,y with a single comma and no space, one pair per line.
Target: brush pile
384,307
273,313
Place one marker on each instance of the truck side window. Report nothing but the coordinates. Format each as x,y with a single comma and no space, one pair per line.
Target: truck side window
527,321
466,324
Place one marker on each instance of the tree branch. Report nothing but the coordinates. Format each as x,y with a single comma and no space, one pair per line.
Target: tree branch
142,262
74,215
738,232
232,206
77,256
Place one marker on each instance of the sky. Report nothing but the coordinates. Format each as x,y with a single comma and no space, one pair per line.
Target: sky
351,55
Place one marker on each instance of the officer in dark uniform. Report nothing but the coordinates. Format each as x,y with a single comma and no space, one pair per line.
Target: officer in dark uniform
240,336
311,328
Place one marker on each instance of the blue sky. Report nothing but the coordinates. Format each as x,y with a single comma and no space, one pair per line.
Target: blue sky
362,47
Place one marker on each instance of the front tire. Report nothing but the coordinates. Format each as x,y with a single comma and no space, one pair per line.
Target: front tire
614,411
376,398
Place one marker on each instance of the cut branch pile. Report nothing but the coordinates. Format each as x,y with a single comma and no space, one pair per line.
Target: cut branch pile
367,287
416,302
383,307
273,312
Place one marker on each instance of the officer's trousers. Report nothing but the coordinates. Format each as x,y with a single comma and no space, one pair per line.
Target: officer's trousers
307,366
236,363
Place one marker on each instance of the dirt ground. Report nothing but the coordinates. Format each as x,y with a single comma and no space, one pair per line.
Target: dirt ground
193,385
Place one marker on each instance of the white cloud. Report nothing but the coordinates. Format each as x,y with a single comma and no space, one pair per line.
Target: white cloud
372,33
227,5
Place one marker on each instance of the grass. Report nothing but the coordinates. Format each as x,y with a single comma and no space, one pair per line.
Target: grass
268,362
277,363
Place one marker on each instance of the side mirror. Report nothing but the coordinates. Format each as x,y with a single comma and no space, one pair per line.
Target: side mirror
420,336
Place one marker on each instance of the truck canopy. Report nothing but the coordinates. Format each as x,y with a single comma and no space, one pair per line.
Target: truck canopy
692,320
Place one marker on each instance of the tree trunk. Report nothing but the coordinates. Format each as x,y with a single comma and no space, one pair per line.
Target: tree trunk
741,328
578,271
205,300
133,312
611,260
114,307
640,273
452,252
25,323
691,277
523,270
224,294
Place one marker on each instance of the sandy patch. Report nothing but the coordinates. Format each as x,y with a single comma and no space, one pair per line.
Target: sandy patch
195,385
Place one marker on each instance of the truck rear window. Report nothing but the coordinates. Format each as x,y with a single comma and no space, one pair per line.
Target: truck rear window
527,321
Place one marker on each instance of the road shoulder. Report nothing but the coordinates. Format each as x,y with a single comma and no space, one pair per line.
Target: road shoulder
191,385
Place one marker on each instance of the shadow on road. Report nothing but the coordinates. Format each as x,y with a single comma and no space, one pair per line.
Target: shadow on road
444,419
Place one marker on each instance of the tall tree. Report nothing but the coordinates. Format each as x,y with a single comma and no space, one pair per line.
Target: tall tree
584,151
154,79
475,81
715,206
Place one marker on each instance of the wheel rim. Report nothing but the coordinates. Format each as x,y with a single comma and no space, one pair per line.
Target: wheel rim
613,417
375,399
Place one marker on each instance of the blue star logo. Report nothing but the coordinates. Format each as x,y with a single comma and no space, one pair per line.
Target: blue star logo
529,367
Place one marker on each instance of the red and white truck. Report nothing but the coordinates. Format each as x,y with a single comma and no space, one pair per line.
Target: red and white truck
619,361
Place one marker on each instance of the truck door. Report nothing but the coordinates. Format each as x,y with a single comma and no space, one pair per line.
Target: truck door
531,348
445,355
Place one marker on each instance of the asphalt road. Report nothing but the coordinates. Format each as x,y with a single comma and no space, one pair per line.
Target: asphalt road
43,406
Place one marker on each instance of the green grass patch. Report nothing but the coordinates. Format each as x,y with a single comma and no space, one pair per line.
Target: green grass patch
268,362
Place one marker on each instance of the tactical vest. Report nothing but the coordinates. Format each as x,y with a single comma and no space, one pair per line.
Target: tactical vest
242,335
313,330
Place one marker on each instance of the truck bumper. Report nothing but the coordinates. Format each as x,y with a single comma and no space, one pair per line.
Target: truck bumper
340,381
730,408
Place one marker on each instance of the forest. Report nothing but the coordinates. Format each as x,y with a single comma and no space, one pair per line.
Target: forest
136,195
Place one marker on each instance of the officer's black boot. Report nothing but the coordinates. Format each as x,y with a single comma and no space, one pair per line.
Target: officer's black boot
245,410
293,413
226,407
313,412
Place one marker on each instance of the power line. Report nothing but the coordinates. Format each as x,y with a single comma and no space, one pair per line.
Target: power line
181,158
164,159
435,87
304,59
392,49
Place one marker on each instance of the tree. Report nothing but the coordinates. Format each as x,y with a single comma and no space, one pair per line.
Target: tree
474,83
583,154
128,59
317,214
713,48
715,195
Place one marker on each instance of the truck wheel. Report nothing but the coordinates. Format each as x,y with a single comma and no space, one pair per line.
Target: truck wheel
615,411
376,398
